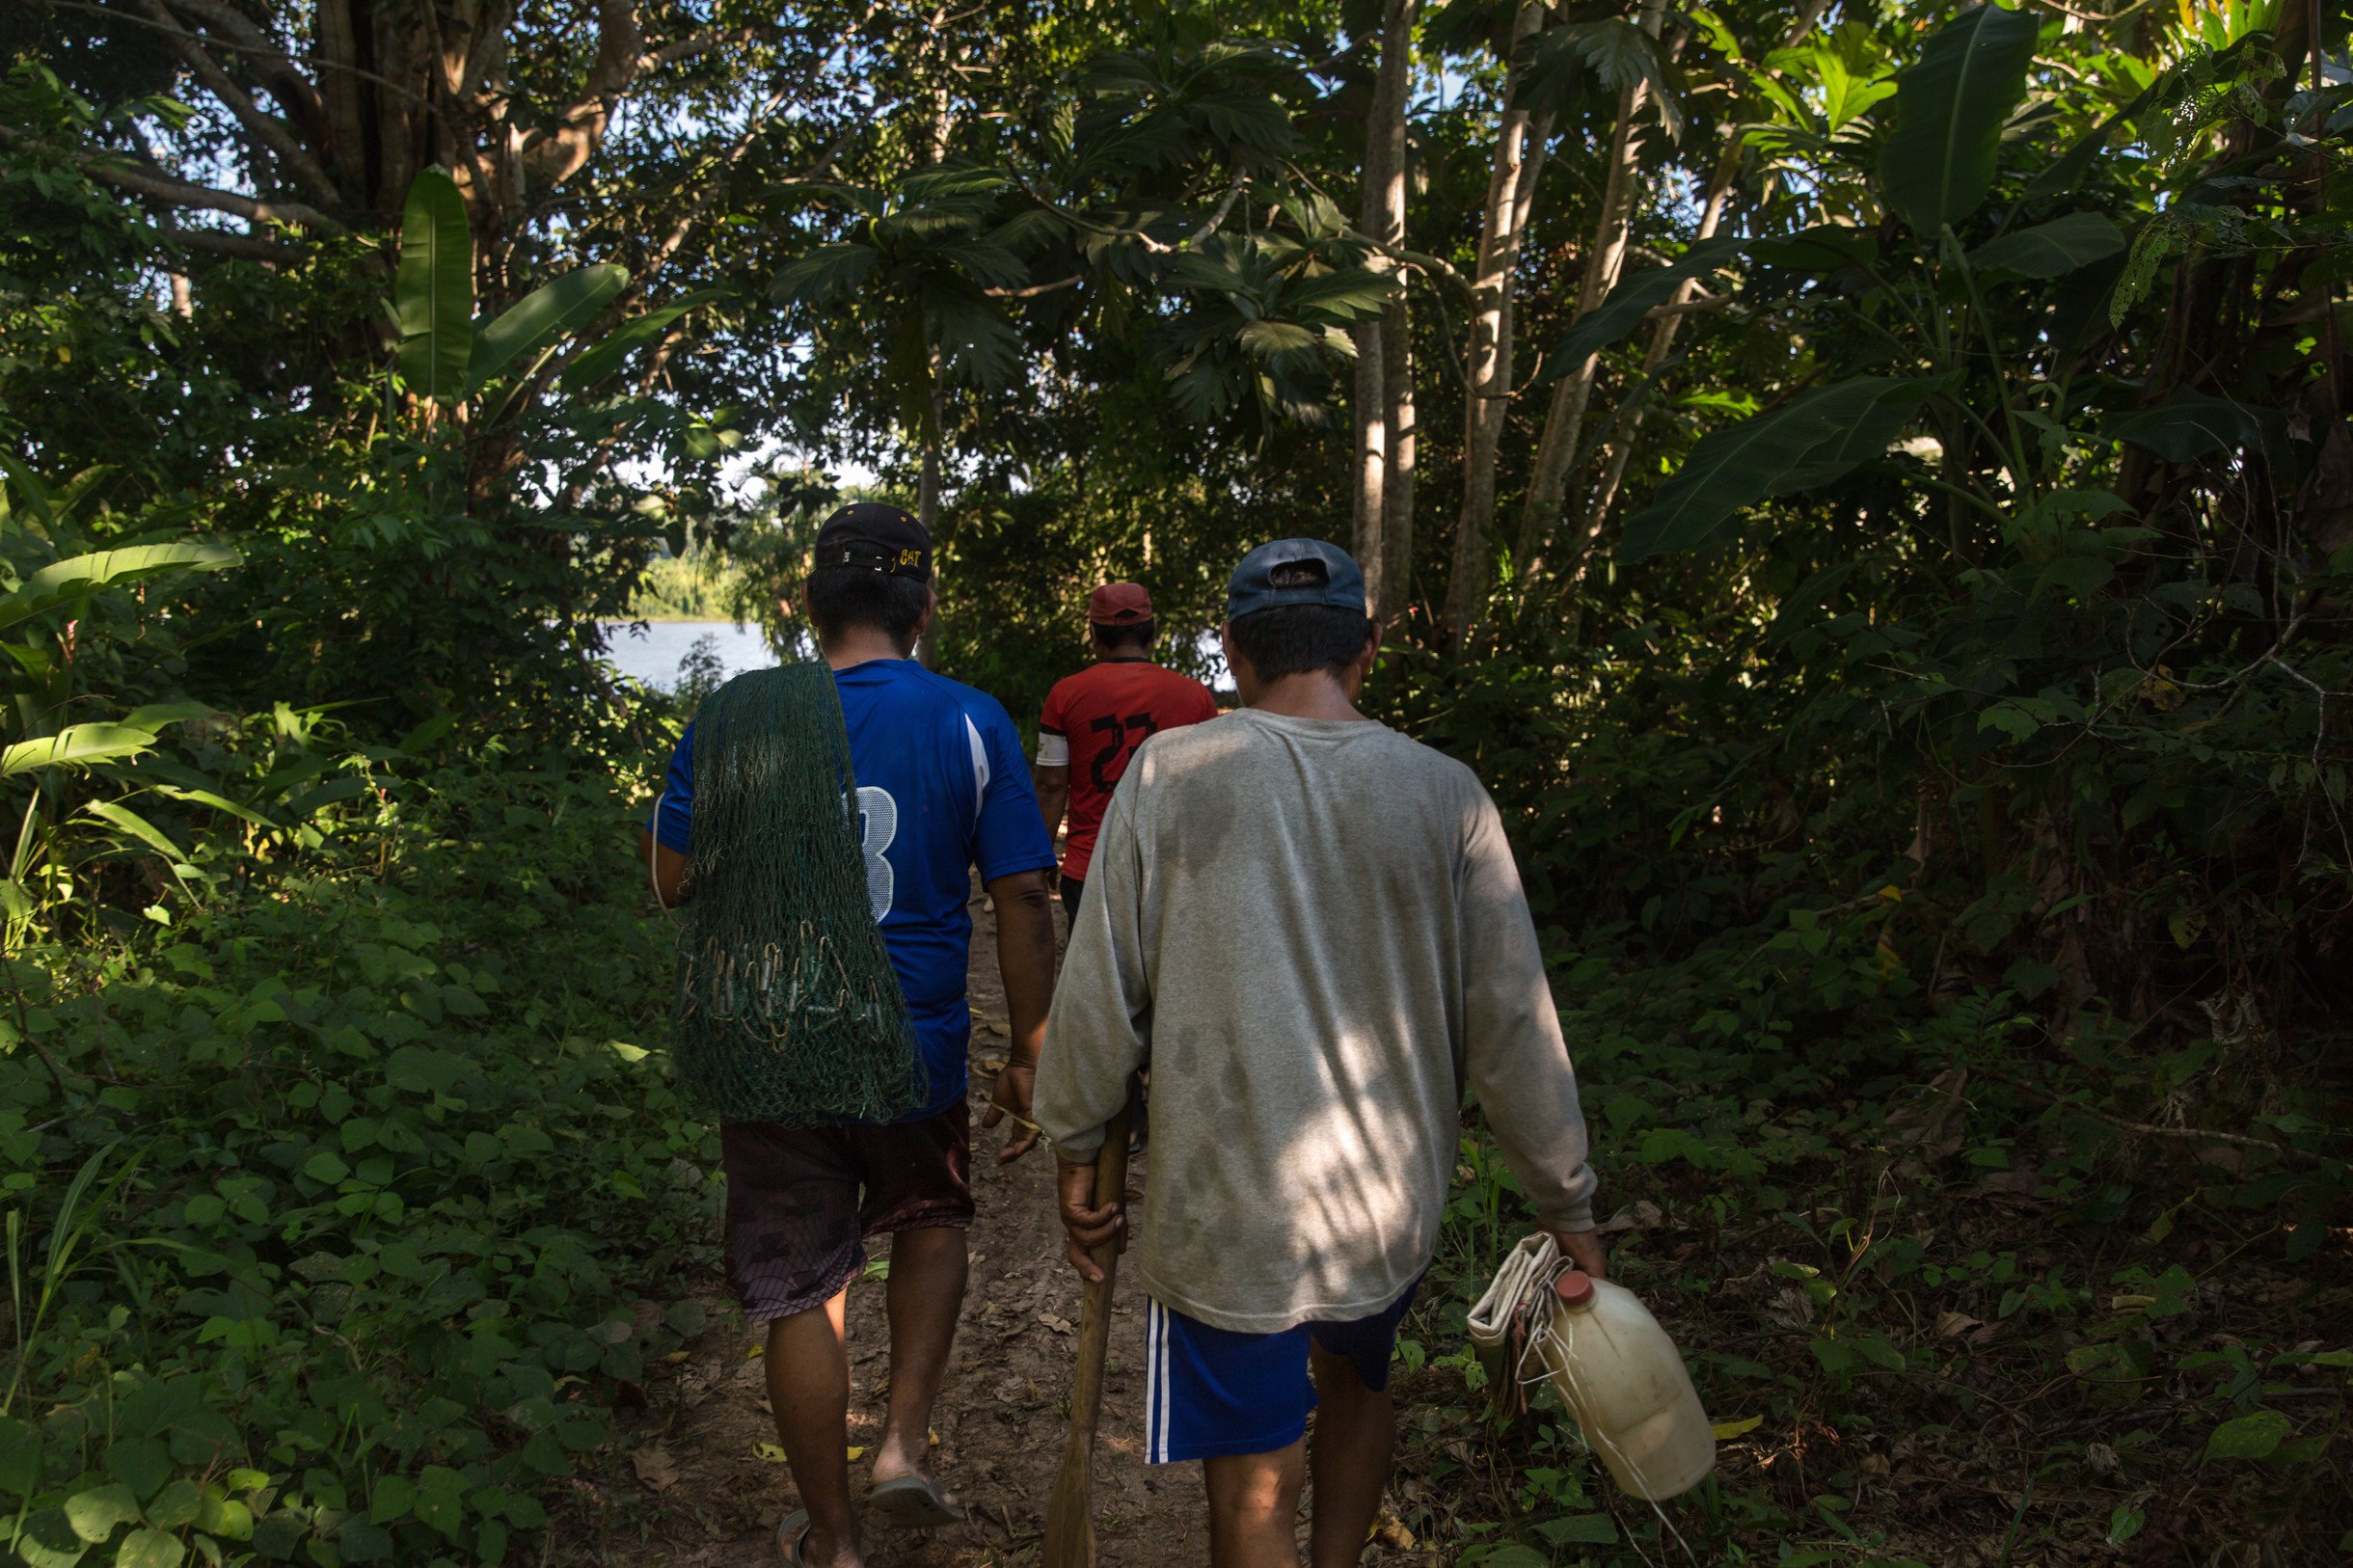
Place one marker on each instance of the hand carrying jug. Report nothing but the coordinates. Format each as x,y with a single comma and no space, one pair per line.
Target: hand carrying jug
1612,1364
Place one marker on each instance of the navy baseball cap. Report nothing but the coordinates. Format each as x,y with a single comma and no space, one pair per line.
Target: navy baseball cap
1294,572
876,536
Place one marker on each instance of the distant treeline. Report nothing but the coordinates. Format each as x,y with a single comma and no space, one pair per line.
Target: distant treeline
693,587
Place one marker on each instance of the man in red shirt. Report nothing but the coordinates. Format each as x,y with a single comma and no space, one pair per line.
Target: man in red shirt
1095,721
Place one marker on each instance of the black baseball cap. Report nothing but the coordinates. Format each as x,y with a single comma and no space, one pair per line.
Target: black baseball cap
1294,572
878,536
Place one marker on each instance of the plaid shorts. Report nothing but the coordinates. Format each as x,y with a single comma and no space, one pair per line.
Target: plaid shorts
801,1201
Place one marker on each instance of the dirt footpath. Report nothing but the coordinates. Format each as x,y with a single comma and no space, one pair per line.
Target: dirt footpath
713,1483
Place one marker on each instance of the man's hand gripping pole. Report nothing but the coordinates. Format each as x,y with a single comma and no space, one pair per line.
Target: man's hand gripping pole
1094,1203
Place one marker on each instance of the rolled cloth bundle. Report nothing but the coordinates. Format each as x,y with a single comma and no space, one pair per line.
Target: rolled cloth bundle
788,1011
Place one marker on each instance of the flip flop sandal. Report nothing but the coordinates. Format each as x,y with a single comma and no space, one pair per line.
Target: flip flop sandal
789,1536
914,1503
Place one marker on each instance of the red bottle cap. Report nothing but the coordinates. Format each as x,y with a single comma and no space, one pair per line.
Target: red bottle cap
1575,1289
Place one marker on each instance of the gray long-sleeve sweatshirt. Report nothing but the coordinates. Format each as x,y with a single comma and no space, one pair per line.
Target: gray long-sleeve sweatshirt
1315,931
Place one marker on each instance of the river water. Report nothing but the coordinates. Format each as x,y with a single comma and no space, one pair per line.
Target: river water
651,653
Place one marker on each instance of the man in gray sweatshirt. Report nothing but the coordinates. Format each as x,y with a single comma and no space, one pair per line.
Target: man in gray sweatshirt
1314,928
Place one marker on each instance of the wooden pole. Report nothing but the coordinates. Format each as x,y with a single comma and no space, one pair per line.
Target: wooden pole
1069,1517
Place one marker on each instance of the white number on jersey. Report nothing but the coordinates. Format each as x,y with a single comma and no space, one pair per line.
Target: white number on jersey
877,826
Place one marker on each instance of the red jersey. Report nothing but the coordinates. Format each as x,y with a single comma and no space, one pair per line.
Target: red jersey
1103,712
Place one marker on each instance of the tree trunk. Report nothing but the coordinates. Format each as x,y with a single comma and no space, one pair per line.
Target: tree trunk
1663,334
1511,182
1369,466
926,513
1662,341
1386,597
1378,385
1605,259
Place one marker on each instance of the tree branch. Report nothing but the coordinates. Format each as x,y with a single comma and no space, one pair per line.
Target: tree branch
271,132
386,83
1036,289
276,69
693,47
556,156
1706,302
222,243
178,193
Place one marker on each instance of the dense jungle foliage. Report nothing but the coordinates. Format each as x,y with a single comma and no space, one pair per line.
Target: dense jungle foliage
1899,595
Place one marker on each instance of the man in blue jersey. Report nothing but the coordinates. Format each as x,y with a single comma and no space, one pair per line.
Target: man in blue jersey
942,787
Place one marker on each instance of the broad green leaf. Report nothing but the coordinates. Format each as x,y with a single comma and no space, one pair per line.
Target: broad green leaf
98,1513
394,1496
2051,249
31,491
61,583
1619,54
441,1498
175,1505
1740,466
824,274
138,828
15,899
1277,339
1863,439
75,745
154,715
1339,296
1514,1556
1588,1529
990,265
433,289
2185,427
48,1540
140,1464
2248,1436
361,1541
1939,161
1880,1353
1835,1355
1821,249
1727,1430
593,366
150,1548
1623,309
1847,95
225,1517
542,317
20,1450
206,798
1245,119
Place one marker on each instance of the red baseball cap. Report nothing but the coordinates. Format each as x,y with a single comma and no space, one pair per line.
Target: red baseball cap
1118,603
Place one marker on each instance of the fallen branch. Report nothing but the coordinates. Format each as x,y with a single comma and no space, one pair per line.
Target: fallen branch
2150,1129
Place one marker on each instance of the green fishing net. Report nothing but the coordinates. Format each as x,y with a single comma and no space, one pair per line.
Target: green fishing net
788,1011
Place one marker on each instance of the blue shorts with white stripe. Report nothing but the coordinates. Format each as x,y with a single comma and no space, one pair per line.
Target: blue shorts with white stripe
1211,1392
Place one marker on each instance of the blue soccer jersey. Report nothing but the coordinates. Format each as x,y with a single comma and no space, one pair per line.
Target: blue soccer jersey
942,787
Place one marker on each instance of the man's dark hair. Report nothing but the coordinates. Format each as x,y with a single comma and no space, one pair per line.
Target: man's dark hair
1136,634
1293,640
840,598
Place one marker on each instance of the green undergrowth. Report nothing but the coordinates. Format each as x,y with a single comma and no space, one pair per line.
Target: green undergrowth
1944,1281
328,1200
